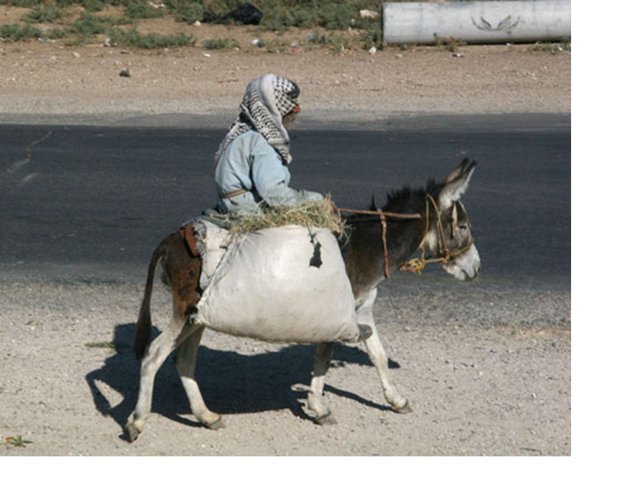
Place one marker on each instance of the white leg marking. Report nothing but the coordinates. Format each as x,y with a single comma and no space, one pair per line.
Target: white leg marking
379,357
158,352
186,364
315,399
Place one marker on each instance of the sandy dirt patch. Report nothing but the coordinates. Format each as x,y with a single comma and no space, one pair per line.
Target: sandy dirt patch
480,381
38,80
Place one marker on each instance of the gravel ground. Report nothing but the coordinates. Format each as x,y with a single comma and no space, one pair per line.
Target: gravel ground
482,379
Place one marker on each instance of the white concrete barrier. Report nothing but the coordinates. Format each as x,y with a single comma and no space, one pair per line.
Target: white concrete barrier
477,22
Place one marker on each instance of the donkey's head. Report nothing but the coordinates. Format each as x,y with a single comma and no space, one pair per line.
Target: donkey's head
449,230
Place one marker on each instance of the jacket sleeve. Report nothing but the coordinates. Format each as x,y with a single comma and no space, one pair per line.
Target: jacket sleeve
271,179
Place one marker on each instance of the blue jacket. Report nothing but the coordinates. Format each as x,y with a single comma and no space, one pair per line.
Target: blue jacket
250,163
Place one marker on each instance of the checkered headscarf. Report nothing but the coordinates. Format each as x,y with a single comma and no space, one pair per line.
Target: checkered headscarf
266,100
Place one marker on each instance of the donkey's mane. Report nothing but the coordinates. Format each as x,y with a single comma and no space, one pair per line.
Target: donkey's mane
408,199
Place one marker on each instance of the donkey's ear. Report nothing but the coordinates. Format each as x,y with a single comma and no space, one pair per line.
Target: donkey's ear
456,184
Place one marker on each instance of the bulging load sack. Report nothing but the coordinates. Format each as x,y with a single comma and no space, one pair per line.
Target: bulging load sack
284,284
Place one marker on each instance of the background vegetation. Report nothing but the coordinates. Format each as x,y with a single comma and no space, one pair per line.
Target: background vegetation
86,21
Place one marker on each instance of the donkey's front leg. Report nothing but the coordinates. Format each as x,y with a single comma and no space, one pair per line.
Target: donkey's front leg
315,400
379,357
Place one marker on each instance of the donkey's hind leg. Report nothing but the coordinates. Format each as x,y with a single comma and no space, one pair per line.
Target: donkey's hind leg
379,357
157,353
186,365
315,400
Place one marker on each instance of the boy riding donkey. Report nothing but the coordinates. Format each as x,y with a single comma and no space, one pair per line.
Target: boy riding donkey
251,165
252,176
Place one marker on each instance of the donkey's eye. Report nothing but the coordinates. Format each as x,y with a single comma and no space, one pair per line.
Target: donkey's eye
462,227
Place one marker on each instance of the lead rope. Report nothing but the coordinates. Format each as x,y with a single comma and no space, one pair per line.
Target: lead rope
385,250
417,265
383,222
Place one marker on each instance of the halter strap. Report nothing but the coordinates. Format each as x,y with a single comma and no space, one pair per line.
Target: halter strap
445,255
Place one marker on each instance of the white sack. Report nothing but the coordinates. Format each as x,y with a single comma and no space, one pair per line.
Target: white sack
267,287
212,242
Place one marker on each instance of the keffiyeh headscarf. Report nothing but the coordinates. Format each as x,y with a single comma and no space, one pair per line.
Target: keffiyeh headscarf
266,100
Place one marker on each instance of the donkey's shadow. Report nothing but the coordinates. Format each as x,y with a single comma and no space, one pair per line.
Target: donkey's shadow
230,382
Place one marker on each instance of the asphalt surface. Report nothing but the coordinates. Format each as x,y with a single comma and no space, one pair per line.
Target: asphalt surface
92,202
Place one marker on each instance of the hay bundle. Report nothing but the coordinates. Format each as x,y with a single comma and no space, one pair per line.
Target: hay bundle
308,214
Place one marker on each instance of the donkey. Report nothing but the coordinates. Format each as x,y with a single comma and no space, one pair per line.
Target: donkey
432,219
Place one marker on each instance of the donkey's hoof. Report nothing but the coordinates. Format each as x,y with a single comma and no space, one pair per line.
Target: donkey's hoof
325,419
132,431
406,408
216,424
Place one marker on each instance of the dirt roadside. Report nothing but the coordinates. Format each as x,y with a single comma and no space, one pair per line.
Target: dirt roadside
85,84
485,375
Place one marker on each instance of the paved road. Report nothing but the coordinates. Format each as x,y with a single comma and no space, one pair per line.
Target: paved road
94,201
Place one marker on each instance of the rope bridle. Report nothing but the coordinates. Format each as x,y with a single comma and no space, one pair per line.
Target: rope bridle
416,265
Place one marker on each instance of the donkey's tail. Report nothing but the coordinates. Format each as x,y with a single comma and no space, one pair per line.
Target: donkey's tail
143,326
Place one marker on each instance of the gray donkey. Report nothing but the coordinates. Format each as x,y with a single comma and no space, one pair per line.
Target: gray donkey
432,219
